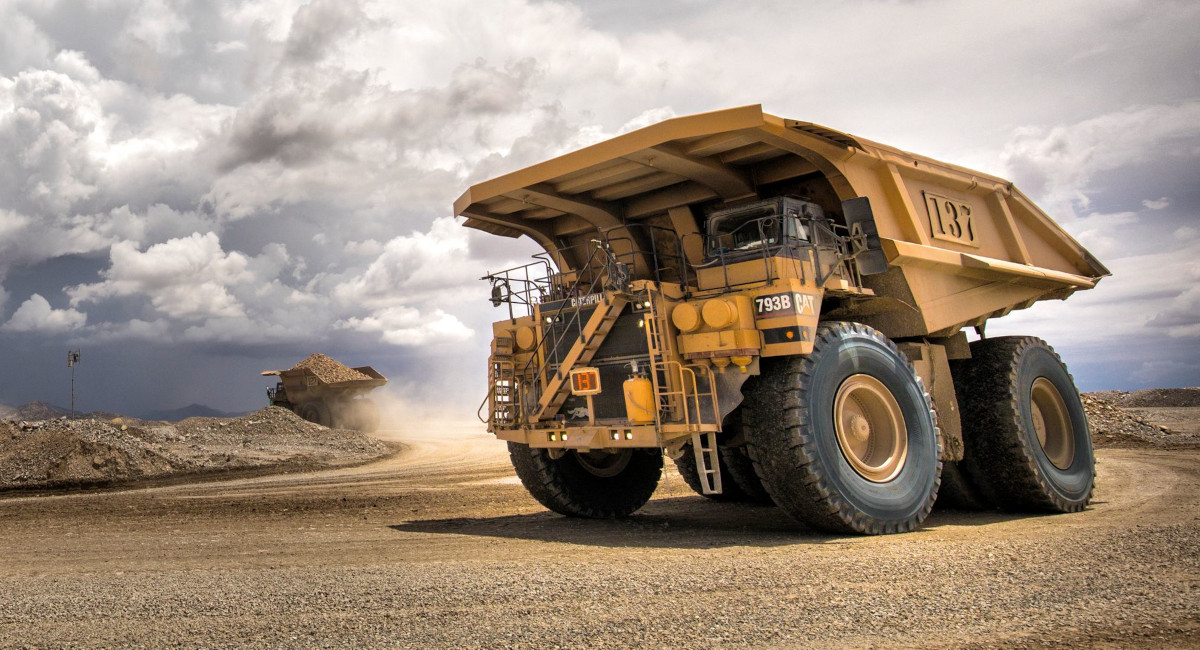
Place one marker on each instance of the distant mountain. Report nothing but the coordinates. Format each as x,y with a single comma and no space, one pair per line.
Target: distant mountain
40,411
189,411
43,411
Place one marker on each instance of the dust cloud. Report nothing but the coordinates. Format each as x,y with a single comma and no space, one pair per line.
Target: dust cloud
405,419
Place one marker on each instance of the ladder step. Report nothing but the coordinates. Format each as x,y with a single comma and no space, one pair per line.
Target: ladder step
704,446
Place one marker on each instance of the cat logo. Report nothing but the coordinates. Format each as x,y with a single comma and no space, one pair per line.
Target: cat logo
583,301
784,304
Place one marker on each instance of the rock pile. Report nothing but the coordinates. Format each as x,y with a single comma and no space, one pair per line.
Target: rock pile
1113,426
329,370
1153,397
65,452
62,453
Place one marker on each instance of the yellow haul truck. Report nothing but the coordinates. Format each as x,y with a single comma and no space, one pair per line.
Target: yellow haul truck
781,308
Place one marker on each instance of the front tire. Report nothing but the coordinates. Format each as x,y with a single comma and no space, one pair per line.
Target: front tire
845,439
596,485
1025,434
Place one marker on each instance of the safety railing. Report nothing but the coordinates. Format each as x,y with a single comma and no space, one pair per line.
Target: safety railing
521,286
555,330
764,238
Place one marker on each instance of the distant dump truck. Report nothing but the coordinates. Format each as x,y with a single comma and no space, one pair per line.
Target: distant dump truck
321,390
781,308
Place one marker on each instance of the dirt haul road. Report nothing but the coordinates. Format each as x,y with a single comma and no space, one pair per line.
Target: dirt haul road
440,547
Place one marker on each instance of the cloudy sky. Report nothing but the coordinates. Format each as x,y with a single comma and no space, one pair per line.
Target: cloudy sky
196,191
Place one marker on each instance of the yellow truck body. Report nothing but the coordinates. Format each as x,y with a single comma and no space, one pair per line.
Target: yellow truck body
691,251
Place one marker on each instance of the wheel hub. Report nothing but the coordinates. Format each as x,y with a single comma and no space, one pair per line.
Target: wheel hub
870,428
1052,423
860,429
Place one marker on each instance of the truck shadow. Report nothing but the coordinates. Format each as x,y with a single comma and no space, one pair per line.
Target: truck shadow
678,522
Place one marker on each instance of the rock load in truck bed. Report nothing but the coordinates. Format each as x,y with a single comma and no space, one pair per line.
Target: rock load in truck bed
329,370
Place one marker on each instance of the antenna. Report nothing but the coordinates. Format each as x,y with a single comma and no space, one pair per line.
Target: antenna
72,360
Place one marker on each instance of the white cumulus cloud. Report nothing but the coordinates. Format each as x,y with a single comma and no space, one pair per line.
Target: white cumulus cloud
36,315
414,266
183,278
1058,163
408,326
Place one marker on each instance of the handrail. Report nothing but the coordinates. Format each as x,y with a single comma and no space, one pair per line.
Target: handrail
657,269
504,292
486,399
821,235
576,318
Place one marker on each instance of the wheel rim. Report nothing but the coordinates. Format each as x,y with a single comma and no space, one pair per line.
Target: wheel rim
1052,423
604,464
870,428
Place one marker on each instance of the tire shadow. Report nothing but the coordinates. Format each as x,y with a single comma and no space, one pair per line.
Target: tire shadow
676,522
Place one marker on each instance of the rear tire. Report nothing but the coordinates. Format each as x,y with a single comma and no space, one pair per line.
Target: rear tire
1025,434
737,460
739,483
597,485
845,439
316,412
686,464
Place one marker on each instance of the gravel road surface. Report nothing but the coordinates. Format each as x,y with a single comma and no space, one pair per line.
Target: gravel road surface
441,547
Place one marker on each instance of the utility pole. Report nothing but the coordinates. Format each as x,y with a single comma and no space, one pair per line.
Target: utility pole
72,360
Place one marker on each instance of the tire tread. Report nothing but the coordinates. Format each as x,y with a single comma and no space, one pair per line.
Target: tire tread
808,497
997,460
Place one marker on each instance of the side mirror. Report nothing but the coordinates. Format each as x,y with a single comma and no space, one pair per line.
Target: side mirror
868,251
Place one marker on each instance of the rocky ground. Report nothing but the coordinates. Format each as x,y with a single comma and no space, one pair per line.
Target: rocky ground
439,546
59,452
1114,426
1172,411
1152,397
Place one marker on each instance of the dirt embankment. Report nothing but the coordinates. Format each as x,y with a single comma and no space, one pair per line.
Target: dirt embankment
1157,417
62,453
1153,397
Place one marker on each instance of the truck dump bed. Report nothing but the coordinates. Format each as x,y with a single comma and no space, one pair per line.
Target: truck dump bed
303,383
962,246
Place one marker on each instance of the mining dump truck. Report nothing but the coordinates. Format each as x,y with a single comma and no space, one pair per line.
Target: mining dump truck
321,390
783,309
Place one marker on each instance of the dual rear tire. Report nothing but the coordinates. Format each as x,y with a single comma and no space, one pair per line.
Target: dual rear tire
359,414
738,481
317,412
845,439
1025,434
